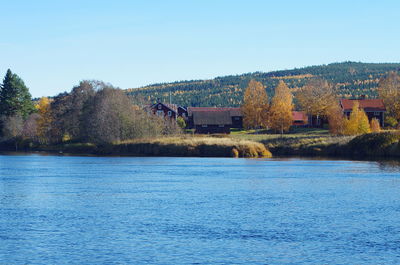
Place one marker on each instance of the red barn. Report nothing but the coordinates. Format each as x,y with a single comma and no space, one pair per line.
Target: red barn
374,108
300,118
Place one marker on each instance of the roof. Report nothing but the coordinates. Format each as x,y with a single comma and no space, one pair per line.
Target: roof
212,118
172,107
299,116
232,111
366,104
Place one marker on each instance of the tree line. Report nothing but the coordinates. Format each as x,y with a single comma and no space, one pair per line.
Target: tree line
320,99
92,111
350,79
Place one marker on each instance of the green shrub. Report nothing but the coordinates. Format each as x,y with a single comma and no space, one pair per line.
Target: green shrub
390,122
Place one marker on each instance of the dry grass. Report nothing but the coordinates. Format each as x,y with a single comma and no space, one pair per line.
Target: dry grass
205,146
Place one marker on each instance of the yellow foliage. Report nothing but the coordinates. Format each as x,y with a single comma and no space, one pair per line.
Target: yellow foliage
375,127
281,117
44,121
337,121
255,106
317,97
389,91
358,121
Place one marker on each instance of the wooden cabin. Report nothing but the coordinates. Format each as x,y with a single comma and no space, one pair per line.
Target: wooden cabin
207,122
234,113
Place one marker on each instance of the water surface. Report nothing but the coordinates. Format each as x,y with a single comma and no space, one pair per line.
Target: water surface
120,210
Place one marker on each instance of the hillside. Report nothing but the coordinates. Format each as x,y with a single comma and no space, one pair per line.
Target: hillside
351,79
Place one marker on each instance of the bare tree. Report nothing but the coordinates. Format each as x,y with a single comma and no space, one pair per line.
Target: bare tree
12,129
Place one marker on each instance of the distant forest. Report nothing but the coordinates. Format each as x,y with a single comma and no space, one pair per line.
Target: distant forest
351,79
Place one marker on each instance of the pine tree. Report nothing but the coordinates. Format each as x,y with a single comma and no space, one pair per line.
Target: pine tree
281,116
255,106
15,98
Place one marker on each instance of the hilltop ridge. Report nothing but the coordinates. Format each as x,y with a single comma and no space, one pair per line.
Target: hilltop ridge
351,79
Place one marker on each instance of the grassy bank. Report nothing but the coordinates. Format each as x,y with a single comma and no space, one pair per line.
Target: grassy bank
318,142
183,146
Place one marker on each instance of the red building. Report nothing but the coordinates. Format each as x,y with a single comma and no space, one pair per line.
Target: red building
168,110
300,118
374,108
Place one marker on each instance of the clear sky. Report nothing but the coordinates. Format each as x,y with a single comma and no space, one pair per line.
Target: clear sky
52,45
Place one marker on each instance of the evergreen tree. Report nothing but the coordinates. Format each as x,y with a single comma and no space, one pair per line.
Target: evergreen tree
15,98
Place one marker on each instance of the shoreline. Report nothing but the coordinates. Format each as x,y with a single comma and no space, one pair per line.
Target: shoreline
371,147
388,160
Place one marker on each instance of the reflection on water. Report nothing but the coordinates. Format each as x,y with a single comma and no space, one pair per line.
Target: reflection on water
389,165
122,210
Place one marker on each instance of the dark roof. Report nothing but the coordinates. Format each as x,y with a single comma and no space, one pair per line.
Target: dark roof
212,118
366,104
172,107
232,111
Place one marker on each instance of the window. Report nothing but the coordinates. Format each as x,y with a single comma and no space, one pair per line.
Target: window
376,113
159,106
183,115
221,126
169,113
237,118
204,126
160,113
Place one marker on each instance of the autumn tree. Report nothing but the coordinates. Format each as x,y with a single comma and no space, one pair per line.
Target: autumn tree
68,111
358,122
255,106
44,120
181,122
281,116
337,120
389,92
111,117
316,97
375,126
30,128
12,129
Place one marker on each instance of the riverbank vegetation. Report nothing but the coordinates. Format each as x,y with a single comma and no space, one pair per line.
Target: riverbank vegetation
318,142
195,146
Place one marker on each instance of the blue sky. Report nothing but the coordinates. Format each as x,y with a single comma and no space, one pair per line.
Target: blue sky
53,45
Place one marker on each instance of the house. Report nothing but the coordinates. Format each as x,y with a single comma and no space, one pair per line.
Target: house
374,108
235,115
300,118
206,122
182,112
168,110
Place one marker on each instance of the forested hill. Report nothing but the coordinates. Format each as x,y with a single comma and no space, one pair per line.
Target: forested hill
352,79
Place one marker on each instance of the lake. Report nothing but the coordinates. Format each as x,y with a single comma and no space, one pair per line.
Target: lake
124,210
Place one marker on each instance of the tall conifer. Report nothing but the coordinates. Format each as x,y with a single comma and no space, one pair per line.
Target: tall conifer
15,98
